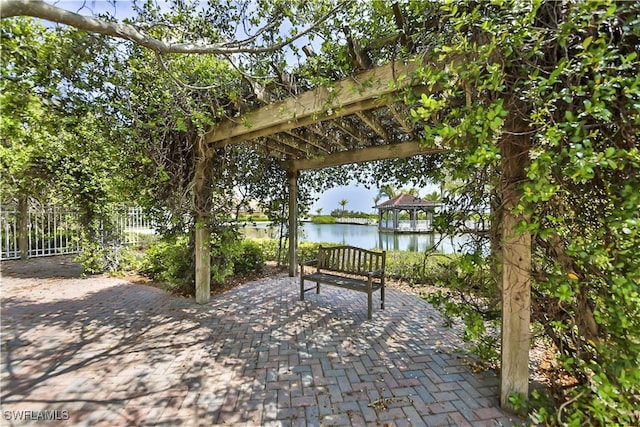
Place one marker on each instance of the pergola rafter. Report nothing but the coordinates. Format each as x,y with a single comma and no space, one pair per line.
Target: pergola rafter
373,122
311,139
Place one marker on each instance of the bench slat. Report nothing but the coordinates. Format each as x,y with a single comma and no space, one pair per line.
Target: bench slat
342,281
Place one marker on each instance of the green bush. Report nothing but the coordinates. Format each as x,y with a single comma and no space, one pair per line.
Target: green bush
269,248
170,261
306,250
323,219
249,258
415,268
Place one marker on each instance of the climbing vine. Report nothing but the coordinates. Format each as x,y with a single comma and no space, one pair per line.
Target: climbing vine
569,71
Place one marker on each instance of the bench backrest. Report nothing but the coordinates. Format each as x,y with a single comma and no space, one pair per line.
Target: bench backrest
349,259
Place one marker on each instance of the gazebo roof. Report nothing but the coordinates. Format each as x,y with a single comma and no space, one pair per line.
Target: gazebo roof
403,201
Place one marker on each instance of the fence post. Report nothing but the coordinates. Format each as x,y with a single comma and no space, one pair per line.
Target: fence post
23,227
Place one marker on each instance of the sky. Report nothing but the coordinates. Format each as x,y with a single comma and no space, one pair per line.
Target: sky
359,199
119,8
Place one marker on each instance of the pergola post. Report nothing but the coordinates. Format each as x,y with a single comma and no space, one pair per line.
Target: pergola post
202,191
203,262
516,272
293,222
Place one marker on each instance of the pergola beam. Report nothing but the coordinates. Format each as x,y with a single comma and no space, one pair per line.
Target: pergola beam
271,143
334,138
367,154
369,89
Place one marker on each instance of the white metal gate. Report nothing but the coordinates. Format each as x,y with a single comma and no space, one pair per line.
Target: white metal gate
53,230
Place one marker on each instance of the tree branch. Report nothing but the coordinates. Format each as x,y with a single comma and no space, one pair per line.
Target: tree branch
39,9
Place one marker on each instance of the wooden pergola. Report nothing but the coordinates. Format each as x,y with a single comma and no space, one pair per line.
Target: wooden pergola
359,119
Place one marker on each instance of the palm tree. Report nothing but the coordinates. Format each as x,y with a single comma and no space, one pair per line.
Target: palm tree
343,203
433,196
387,190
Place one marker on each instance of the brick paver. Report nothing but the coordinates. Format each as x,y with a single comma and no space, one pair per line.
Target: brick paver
101,351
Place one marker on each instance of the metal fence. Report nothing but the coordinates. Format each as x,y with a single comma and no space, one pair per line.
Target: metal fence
52,230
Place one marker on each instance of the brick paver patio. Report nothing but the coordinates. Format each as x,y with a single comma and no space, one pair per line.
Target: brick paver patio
101,351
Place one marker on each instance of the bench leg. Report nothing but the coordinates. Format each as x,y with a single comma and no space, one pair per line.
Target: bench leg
317,287
382,297
369,305
301,287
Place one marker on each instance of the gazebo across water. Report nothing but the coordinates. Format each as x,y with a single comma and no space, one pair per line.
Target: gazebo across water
389,214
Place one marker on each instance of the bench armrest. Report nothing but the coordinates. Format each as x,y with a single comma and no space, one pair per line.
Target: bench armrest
377,273
309,262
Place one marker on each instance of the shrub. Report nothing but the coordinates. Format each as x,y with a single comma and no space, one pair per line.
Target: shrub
323,219
249,258
170,261
416,268
269,248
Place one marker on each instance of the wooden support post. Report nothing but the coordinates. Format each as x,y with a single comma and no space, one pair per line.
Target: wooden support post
202,200
516,309
203,263
516,271
293,223
23,227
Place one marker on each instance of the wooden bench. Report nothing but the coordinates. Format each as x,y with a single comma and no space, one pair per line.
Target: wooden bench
346,267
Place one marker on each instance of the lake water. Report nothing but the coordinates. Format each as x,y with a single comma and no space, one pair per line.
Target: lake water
364,236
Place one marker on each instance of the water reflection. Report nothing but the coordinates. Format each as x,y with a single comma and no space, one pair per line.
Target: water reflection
364,236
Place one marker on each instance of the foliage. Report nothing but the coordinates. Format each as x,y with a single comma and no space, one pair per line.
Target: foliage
56,131
271,250
167,260
323,219
563,78
468,292
340,213
250,257
420,268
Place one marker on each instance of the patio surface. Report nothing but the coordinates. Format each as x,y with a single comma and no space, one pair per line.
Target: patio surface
102,351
